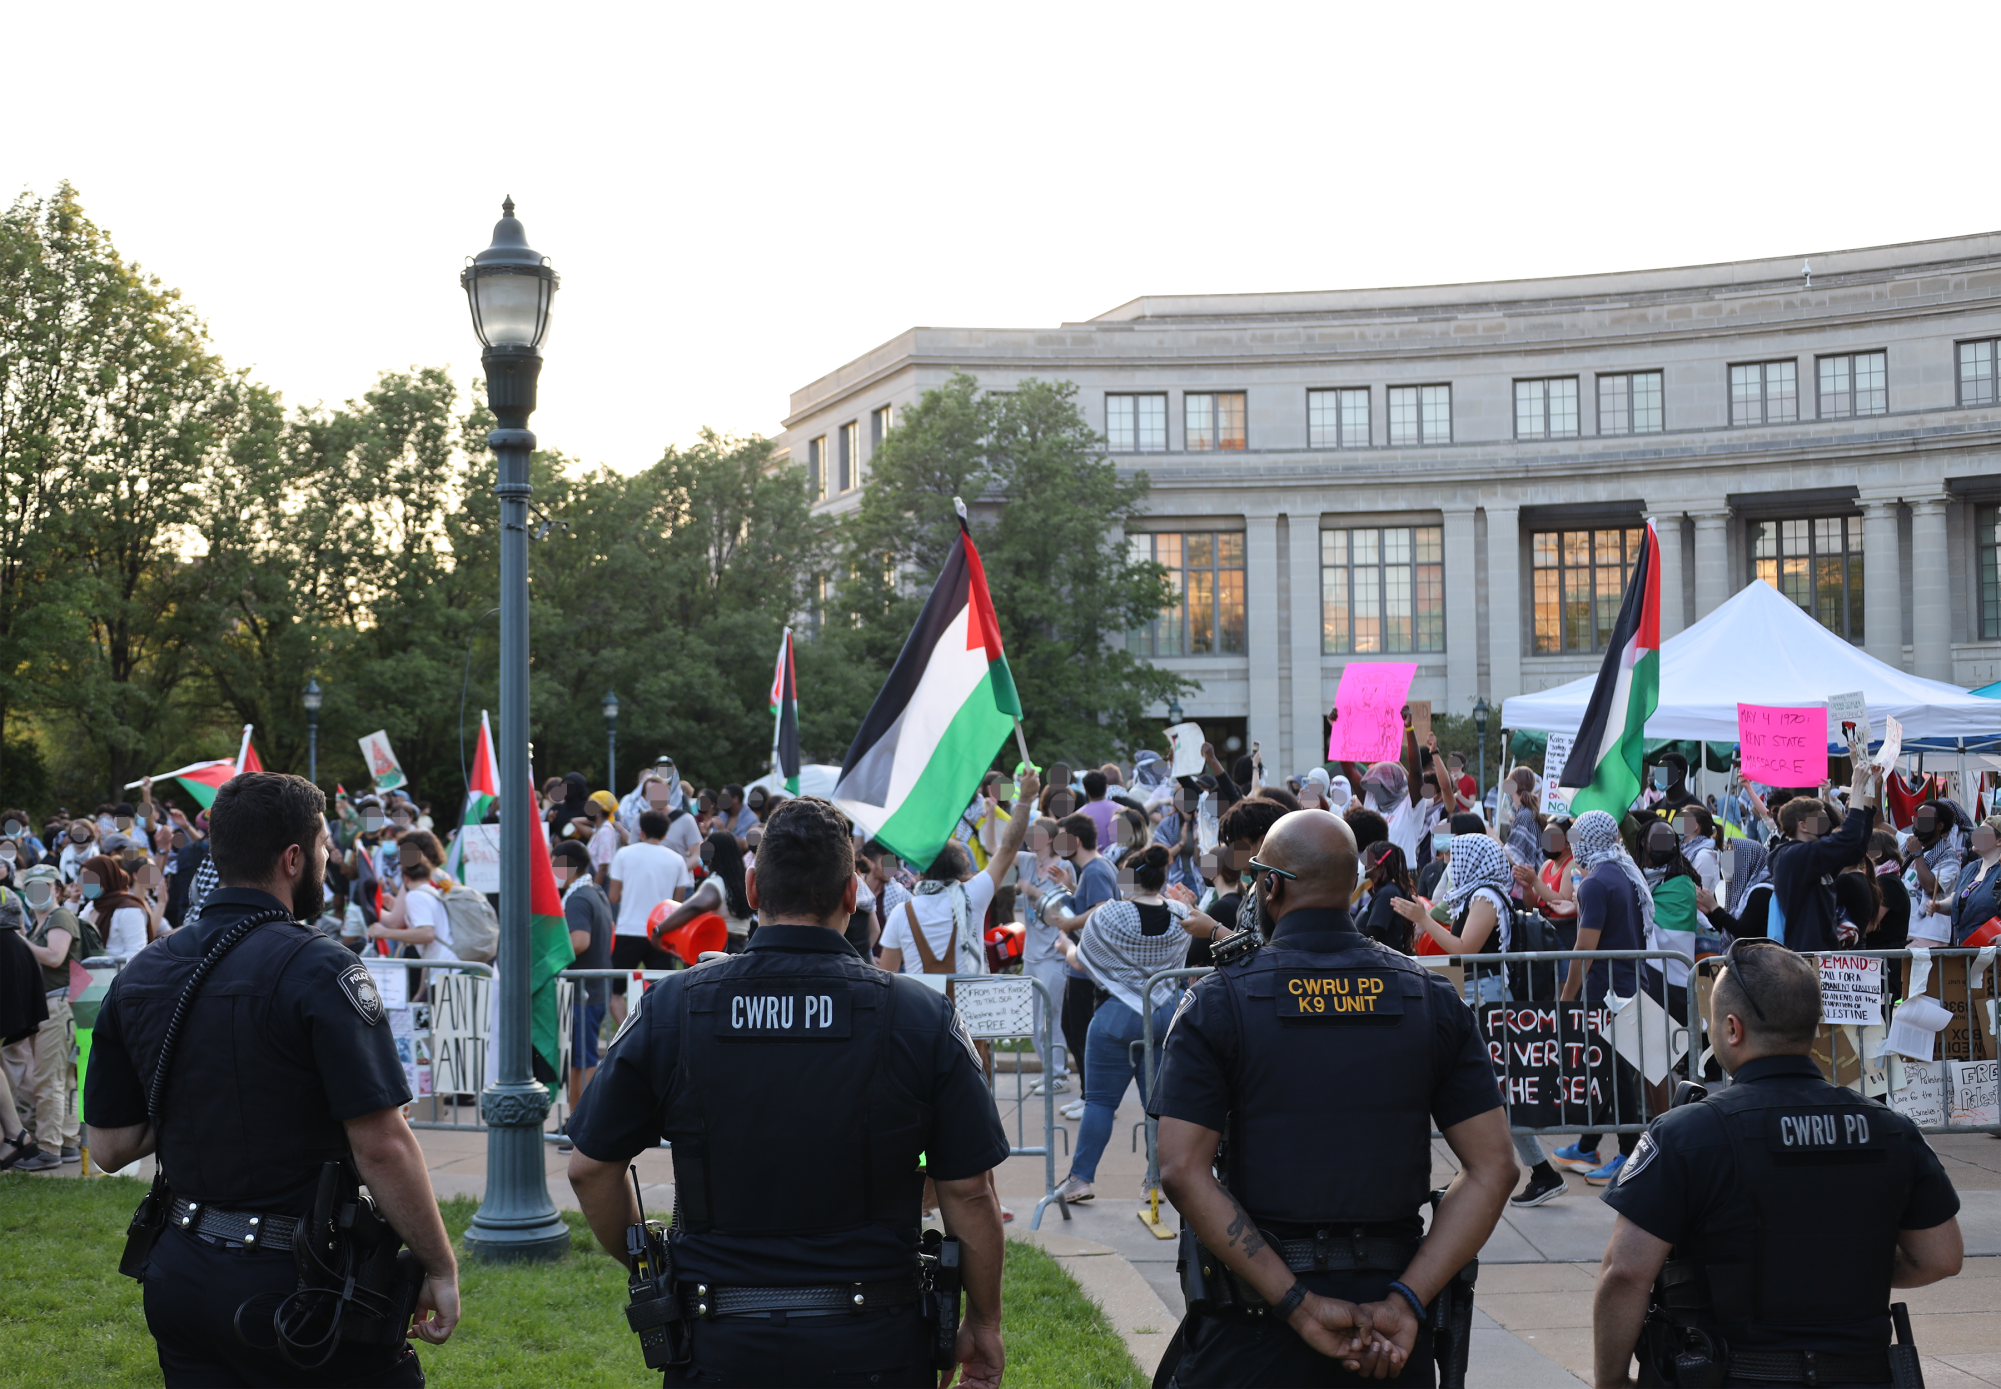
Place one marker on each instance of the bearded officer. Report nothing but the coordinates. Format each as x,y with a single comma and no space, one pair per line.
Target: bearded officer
799,1084
282,1063
1325,1059
1777,1214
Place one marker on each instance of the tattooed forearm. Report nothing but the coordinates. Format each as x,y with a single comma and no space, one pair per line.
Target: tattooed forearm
1243,1231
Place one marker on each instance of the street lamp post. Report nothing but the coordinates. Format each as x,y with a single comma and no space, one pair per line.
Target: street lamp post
312,702
1173,710
1480,711
611,741
509,288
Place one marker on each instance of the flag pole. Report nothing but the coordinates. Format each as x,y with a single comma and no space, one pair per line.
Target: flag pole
1021,745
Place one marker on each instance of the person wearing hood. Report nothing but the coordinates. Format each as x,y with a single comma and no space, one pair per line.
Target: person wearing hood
576,796
1339,792
1669,780
1315,790
1748,908
1939,831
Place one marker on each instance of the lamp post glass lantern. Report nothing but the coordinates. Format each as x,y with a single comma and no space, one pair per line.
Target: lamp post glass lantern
1174,711
1480,711
311,699
611,741
509,288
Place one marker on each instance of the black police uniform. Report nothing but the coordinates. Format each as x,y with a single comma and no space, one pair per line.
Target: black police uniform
1323,1059
1783,1196
798,1085
285,1041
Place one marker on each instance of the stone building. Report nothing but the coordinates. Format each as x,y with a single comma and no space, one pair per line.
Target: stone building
1457,474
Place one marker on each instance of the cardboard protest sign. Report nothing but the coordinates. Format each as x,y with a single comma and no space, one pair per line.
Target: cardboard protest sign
1368,711
1847,718
1000,1007
1893,744
1553,1061
382,763
1783,745
1917,1091
1851,991
1184,740
481,863
1976,1091
1420,720
1556,799
460,1010
1963,1038
392,983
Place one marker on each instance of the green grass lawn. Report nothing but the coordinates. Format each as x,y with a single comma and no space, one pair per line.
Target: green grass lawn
68,1318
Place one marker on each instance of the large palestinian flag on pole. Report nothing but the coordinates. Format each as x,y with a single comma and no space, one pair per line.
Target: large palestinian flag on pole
785,710
1605,759
549,951
948,705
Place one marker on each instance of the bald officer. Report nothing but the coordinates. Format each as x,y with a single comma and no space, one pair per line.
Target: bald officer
1324,1058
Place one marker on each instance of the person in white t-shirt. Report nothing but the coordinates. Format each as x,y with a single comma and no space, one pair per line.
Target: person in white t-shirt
951,902
422,920
642,876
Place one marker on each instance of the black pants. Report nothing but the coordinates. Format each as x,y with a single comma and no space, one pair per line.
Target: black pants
193,1289
891,1348
1240,1350
1080,1005
637,952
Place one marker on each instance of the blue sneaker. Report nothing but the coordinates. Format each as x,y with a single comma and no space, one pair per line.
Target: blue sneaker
1576,1161
1608,1174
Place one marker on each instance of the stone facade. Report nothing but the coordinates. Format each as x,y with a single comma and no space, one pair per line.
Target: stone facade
1910,481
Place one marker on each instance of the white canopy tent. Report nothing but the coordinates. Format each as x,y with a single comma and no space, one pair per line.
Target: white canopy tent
1760,648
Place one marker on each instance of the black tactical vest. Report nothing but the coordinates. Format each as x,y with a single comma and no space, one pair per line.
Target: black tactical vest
1331,1120
1827,1175
785,1117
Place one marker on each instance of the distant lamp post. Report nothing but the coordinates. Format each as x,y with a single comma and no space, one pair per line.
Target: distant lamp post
611,741
1481,709
312,699
1173,710
509,288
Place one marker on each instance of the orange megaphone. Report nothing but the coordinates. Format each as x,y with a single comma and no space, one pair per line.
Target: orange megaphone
706,932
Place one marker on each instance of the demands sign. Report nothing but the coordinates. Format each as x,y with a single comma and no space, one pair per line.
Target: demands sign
1554,1062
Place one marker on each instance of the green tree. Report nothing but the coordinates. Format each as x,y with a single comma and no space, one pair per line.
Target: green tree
1048,512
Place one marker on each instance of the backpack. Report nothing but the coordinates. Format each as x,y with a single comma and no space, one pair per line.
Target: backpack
89,946
475,929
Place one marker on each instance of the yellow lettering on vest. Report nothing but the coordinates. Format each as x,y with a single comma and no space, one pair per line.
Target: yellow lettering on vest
1295,986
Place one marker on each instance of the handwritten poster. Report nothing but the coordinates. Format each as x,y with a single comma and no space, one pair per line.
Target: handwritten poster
1848,718
1976,1091
382,763
482,857
1368,709
1783,745
1003,1006
392,983
1553,1061
1921,1095
1556,799
1893,744
460,1007
1184,741
1851,991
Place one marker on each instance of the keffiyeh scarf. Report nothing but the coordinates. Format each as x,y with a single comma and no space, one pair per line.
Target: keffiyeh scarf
1115,954
1477,862
1595,836
1751,867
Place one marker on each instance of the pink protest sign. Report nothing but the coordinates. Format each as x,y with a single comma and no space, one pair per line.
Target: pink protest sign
1783,746
1368,711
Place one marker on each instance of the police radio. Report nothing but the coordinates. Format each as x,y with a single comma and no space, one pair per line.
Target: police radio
1238,945
654,1312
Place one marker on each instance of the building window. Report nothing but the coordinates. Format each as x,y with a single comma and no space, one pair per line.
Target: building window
1338,419
878,425
1976,372
816,468
1818,564
1580,580
1630,403
1205,570
1854,384
1214,421
1987,537
1546,409
1764,393
1136,423
1420,415
848,456
1382,590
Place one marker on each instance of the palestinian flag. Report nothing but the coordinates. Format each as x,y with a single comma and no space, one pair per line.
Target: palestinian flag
785,709
1605,760
481,793
948,705
549,951
202,780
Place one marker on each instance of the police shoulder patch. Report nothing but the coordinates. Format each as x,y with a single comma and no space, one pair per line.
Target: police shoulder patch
1644,1152
359,986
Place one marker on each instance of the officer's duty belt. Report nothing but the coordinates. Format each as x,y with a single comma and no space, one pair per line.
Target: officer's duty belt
1808,1367
1343,1253
251,1229
703,1301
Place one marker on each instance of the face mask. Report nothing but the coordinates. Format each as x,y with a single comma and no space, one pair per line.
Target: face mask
1441,844
93,891
1660,778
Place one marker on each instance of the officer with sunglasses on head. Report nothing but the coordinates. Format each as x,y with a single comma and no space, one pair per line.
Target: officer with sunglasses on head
1772,1220
1317,1063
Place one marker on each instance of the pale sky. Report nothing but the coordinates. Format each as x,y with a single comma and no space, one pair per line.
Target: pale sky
741,198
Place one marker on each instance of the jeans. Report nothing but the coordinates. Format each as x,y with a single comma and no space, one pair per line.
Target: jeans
1109,1068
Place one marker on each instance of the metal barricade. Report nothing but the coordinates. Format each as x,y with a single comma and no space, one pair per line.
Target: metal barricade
1952,1091
467,1044
1018,1147
566,1042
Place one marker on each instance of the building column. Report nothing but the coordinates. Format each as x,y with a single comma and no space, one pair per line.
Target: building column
1308,707
1931,591
1462,613
1667,526
1882,584
1712,561
1261,626
1504,604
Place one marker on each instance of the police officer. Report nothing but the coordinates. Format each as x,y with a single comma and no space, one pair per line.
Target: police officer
282,1063
798,1085
1323,1058
1790,1208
